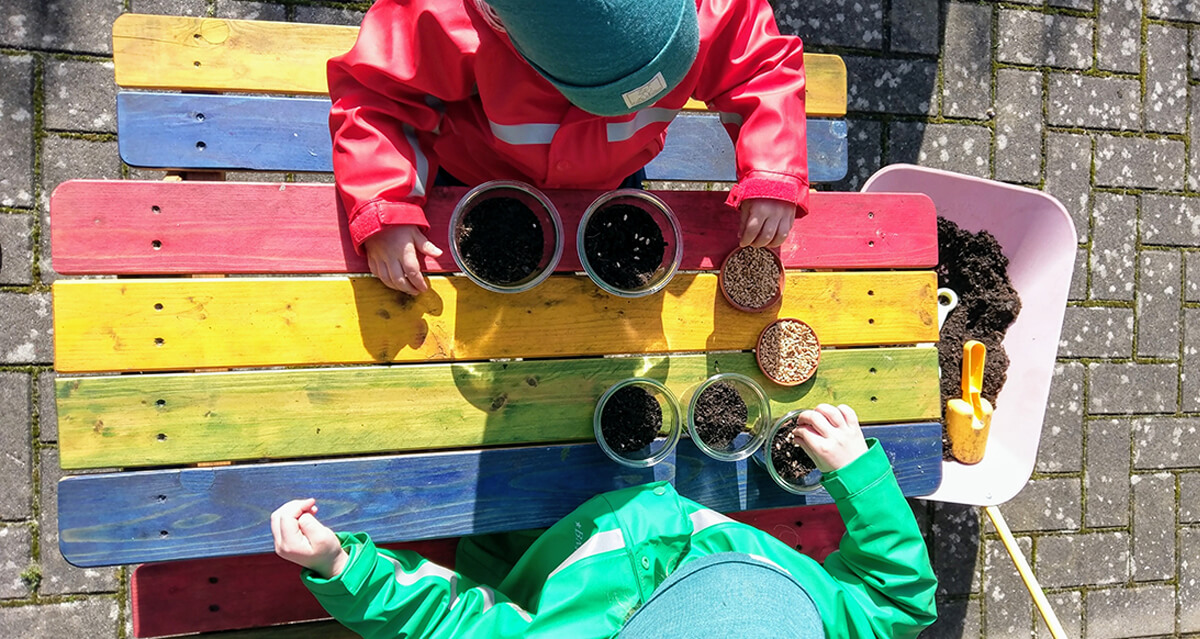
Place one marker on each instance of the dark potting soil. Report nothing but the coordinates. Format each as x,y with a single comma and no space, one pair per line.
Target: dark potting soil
624,246
972,265
501,240
631,419
789,458
720,415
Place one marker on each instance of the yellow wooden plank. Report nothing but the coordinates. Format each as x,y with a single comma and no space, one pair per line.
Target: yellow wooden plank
108,325
209,54
171,419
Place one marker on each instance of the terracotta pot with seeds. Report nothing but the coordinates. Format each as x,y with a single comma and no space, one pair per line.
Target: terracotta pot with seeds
788,352
752,279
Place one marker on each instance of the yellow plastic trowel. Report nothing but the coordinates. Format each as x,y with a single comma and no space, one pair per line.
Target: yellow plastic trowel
968,419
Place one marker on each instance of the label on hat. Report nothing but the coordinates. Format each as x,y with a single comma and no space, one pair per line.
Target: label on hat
646,92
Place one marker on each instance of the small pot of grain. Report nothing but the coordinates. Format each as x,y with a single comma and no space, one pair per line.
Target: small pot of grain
752,279
788,352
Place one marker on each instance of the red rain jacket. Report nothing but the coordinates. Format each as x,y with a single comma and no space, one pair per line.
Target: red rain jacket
434,83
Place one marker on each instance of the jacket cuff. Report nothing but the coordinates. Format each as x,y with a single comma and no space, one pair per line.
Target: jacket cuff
354,574
371,218
773,186
869,469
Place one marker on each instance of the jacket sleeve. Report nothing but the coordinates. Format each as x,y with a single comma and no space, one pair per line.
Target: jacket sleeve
387,94
755,78
882,563
383,593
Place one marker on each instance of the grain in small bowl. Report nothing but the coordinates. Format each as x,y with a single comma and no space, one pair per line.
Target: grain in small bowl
788,352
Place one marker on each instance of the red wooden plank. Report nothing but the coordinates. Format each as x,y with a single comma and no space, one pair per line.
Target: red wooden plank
227,593
136,227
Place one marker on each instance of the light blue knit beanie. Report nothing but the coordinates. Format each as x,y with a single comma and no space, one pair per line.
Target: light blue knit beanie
608,57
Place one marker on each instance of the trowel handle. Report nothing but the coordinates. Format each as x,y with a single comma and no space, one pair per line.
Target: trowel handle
974,353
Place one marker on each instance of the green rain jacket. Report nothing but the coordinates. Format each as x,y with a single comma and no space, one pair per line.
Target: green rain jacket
585,575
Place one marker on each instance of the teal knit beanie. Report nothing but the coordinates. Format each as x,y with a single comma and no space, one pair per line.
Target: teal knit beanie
608,57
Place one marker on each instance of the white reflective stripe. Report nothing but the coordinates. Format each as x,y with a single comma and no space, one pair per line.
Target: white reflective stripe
422,176
599,543
704,518
427,569
521,611
731,118
524,133
621,131
768,562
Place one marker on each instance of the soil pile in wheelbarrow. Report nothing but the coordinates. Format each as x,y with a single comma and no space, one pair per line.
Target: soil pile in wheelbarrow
972,265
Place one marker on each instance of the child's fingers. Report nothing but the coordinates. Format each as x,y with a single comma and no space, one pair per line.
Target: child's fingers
411,266
428,247
766,234
835,416
818,422
750,227
850,416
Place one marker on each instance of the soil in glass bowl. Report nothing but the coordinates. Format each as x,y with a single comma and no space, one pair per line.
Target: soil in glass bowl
720,415
624,246
631,419
501,240
790,460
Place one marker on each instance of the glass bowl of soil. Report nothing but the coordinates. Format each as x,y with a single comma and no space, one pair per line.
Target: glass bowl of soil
629,243
506,236
637,422
728,416
788,352
752,279
785,460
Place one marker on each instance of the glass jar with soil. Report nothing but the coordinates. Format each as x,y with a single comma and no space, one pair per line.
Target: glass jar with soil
629,243
506,236
785,460
752,279
728,416
637,422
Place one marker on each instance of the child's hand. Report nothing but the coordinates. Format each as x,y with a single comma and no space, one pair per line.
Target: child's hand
394,257
830,436
766,222
301,539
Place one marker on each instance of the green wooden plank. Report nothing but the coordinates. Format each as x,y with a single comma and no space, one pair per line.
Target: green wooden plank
168,419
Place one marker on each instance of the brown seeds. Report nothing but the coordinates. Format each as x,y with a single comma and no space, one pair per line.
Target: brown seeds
788,352
750,277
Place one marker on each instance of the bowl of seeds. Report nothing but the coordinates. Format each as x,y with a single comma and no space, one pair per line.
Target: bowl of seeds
788,352
506,236
786,461
637,422
728,416
752,279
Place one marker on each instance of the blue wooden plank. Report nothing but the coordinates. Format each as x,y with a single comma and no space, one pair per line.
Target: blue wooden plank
257,133
124,518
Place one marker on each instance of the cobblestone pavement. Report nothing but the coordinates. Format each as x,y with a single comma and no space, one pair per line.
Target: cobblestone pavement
1097,102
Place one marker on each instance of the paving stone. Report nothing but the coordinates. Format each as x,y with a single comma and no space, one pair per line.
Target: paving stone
1084,559
1115,613
1009,608
1166,79
1195,55
1139,162
1189,498
25,328
1170,220
1044,39
1191,284
1061,448
47,407
1114,247
1166,442
16,249
16,555
256,176
197,8
16,134
1132,388
1193,178
956,556
239,10
885,85
1079,275
1081,5
1188,10
957,619
967,61
1068,609
1018,126
1153,527
865,146
68,159
915,25
16,464
954,147
78,27
93,617
1119,35
1069,175
1106,475
327,178
846,23
1189,580
1096,332
80,96
1046,504
1189,379
1160,296
58,576
345,17
1087,101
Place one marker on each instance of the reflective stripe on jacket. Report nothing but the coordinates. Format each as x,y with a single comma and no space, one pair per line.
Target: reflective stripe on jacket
587,573
431,83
